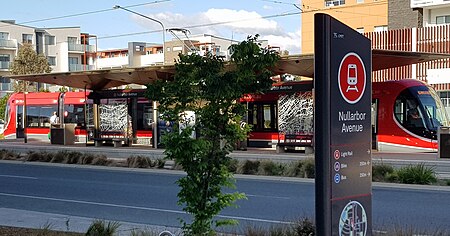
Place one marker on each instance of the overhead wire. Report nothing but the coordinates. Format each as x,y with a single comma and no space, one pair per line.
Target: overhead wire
301,10
89,12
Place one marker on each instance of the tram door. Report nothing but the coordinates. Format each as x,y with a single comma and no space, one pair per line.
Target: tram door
19,123
374,121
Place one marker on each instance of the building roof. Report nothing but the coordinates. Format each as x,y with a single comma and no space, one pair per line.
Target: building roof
301,65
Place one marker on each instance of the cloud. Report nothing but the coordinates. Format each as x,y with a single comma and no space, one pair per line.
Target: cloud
290,42
225,23
265,7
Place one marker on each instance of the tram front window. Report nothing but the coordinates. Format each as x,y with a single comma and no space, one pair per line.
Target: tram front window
435,110
419,110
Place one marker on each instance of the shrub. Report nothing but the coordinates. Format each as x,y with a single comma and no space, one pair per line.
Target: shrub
303,227
382,172
100,228
160,163
72,157
139,162
233,166
417,174
295,169
268,167
39,156
309,168
8,155
100,161
249,167
58,157
87,159
144,233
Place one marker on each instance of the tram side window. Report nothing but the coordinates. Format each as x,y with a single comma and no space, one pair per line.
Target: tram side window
74,114
399,110
262,117
408,114
39,117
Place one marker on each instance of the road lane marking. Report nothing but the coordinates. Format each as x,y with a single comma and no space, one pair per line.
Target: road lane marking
267,196
138,208
18,177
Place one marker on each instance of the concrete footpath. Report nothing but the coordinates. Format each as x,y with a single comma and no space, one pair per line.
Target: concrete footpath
58,222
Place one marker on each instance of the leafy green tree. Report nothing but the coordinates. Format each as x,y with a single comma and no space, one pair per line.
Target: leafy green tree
3,102
28,62
204,85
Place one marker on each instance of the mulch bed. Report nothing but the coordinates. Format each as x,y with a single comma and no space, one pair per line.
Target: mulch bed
14,231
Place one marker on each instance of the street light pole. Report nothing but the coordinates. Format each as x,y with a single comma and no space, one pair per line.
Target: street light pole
155,109
147,17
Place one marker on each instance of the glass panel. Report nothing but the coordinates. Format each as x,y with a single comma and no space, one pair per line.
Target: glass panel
72,40
74,114
267,117
398,110
440,19
39,117
49,40
27,38
145,116
4,35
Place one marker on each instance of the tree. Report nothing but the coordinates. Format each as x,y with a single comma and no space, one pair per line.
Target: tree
202,85
3,102
28,62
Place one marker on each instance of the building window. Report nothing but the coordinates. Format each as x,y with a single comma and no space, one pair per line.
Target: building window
380,28
360,30
73,60
51,61
5,84
27,38
4,35
49,40
443,19
4,57
359,1
4,61
72,40
333,3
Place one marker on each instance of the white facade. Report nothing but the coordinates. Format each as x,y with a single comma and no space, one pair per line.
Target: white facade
435,12
61,46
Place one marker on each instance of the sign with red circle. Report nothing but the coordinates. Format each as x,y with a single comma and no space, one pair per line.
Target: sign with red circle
352,78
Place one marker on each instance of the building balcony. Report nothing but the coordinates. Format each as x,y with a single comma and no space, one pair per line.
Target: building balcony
80,67
4,65
429,3
81,48
8,44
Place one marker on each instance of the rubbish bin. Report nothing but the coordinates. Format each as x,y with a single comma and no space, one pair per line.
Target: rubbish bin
444,142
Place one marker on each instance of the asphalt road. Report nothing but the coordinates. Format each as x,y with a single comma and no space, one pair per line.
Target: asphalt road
440,165
149,197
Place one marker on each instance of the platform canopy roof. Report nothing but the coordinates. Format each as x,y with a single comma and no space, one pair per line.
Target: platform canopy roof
301,65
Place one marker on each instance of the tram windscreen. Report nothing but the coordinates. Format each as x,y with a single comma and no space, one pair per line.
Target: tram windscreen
434,108
420,111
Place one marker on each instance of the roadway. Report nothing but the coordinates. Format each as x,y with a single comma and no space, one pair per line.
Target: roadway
61,193
440,165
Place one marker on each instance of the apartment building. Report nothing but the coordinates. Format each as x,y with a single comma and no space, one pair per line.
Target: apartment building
66,49
362,15
435,12
145,54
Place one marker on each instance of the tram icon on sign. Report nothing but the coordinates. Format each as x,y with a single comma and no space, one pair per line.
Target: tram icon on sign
352,77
